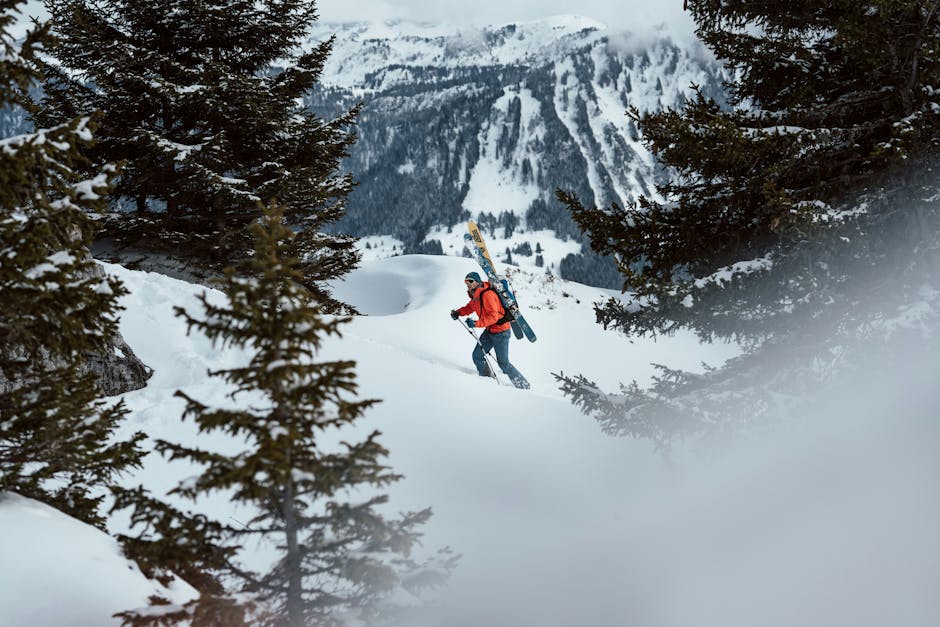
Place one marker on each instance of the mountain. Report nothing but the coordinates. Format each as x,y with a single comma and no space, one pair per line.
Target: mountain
488,122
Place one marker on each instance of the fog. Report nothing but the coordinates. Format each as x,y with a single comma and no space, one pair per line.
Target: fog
634,15
821,519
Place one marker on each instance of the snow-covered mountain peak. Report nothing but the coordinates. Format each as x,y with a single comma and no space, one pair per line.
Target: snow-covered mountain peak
360,31
365,49
558,25
555,26
491,120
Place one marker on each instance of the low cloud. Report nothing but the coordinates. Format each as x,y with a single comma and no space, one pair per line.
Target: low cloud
633,15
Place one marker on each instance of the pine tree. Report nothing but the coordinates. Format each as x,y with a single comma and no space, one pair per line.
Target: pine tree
334,556
57,440
205,124
782,209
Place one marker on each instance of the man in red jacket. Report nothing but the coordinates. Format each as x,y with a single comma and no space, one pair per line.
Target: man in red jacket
485,303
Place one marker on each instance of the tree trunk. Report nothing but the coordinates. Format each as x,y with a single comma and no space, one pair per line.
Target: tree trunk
295,605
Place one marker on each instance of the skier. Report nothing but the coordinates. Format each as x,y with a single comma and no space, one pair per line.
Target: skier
485,303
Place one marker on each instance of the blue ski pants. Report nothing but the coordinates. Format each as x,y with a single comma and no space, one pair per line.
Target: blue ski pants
499,343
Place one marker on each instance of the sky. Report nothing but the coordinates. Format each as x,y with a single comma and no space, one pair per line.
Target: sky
628,14
631,15
623,14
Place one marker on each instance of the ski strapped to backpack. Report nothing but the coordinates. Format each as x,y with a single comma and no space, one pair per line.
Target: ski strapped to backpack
477,248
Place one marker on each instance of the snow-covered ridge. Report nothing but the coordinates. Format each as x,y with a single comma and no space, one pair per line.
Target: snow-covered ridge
390,29
364,48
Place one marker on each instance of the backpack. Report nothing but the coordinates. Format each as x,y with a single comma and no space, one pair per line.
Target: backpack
507,315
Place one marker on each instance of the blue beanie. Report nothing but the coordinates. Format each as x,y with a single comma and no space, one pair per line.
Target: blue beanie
474,276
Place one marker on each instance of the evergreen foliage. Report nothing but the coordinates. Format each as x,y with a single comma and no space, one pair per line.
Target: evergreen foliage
785,210
172,542
205,124
429,247
589,268
56,438
337,553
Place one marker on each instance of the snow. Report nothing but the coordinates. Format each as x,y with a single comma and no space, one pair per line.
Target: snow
55,260
553,249
406,168
58,571
86,189
373,247
365,48
496,184
727,274
832,523
503,469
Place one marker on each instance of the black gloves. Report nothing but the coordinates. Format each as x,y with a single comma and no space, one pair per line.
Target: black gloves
454,315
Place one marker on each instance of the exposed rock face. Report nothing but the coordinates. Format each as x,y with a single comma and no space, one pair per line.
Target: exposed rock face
119,371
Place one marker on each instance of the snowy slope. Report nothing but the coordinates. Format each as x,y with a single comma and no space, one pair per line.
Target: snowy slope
832,523
485,457
57,571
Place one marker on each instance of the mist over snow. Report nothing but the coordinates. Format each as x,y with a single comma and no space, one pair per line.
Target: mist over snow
829,520
367,48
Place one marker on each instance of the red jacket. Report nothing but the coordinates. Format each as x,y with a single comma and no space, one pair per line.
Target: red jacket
488,308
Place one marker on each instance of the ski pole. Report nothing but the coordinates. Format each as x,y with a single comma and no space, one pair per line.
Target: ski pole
486,355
